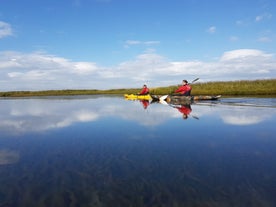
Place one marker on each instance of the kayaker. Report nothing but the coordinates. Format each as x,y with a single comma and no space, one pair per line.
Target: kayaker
185,89
145,90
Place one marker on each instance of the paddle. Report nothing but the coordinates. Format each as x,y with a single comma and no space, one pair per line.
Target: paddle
162,98
195,80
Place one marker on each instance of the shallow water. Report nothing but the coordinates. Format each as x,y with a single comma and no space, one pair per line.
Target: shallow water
106,151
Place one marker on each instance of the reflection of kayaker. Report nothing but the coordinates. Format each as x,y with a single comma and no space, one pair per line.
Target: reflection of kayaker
145,103
184,109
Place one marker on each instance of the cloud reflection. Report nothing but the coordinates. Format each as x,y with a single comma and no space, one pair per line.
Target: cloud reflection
242,120
236,113
8,156
35,115
244,116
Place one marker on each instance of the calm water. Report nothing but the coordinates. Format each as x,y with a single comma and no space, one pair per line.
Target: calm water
106,151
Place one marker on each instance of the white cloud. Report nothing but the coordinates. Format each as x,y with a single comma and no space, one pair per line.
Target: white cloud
85,67
234,38
129,43
211,30
262,17
239,22
242,54
5,29
41,71
132,42
264,39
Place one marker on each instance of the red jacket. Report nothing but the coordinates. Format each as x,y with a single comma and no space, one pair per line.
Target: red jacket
144,91
184,89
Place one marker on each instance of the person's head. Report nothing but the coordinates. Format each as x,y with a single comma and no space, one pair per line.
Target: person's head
185,82
185,116
144,85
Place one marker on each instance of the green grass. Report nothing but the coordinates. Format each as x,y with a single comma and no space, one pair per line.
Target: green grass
257,87
226,88
231,88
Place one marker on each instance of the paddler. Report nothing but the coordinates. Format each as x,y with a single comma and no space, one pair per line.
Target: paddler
144,90
185,89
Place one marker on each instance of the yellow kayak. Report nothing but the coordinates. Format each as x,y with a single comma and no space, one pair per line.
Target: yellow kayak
137,97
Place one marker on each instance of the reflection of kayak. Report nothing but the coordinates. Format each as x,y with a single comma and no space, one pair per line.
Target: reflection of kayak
178,100
137,97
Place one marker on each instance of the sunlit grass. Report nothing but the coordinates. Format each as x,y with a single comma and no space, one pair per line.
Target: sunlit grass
227,88
256,87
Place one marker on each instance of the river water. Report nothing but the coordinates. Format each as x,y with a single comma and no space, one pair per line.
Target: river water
107,151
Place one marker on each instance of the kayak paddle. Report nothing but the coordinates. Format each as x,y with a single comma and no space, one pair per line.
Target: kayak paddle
195,80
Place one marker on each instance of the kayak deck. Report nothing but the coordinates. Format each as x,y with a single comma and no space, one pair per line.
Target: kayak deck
137,97
171,99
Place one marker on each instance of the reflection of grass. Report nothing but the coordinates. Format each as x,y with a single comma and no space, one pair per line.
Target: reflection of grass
256,87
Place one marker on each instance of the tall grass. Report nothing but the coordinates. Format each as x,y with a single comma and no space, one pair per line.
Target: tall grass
227,88
244,87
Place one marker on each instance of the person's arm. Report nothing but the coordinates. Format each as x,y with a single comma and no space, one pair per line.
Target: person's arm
142,91
147,91
180,89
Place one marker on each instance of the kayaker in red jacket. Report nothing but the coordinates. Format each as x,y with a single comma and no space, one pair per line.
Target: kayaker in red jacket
145,90
185,89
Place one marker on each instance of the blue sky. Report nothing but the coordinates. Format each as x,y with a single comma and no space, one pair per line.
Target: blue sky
103,44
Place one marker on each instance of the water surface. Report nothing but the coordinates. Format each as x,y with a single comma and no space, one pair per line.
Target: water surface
106,151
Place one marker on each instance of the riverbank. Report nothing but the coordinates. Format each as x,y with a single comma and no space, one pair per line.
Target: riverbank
226,88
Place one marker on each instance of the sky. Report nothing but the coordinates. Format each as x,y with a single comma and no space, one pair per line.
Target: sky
110,44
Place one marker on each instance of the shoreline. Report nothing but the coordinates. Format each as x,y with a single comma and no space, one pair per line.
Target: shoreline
227,88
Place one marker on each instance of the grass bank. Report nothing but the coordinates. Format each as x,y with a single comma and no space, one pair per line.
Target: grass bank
226,88
66,92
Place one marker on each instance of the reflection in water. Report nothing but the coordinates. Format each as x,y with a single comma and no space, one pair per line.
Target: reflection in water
245,111
145,103
184,109
8,156
105,151
25,115
245,116
42,114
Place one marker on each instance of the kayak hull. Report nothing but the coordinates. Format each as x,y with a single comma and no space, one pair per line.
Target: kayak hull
177,100
137,97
